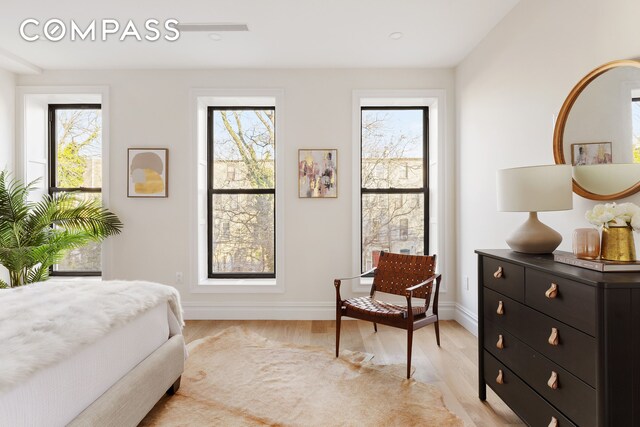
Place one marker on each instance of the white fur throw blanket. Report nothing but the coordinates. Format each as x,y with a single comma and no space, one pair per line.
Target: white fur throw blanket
43,323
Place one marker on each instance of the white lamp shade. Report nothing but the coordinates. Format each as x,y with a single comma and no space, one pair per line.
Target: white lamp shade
535,189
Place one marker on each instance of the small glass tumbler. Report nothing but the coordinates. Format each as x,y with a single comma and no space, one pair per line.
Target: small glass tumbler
586,243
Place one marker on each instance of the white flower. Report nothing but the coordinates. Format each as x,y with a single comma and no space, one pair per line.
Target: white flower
600,215
618,221
623,212
635,222
612,214
630,209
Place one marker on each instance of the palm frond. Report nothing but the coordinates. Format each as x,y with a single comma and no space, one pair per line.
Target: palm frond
66,211
35,236
17,259
14,204
38,274
58,246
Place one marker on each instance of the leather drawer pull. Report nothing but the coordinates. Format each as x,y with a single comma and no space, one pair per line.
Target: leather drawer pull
500,343
552,292
553,380
553,338
500,309
499,379
554,422
498,273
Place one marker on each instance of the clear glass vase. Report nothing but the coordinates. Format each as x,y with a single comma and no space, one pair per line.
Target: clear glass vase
586,243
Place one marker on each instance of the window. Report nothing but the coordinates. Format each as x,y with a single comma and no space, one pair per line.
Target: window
241,208
394,181
75,165
231,173
404,228
226,230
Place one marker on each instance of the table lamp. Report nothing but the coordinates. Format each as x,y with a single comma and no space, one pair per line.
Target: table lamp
535,189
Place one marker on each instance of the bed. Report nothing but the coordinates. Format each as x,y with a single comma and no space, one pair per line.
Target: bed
87,353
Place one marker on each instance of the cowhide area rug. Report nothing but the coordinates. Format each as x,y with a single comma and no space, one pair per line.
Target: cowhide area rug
239,378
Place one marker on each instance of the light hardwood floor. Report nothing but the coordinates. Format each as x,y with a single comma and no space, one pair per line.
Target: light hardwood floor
453,366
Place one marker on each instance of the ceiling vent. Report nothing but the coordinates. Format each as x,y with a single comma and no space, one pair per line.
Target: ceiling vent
209,28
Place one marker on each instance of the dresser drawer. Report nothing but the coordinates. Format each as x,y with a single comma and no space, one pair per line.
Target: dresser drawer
571,302
521,398
575,351
503,277
572,396
503,311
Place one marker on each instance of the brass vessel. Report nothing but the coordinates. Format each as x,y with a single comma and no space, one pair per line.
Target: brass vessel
618,244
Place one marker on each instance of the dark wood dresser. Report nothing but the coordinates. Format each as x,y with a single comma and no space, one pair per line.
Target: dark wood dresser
559,344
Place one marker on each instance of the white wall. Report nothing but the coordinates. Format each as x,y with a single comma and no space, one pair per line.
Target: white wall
507,91
151,108
7,127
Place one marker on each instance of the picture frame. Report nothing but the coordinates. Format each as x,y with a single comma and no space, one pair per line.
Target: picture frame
147,172
317,173
591,153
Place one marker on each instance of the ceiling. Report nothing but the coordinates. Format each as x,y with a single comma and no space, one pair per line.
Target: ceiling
282,34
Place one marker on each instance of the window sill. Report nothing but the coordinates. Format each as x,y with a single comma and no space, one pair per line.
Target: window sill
238,286
75,278
366,281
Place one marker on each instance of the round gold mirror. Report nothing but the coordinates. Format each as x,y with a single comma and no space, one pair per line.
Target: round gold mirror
598,132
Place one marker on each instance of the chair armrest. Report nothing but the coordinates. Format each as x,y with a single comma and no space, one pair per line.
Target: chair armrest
409,291
360,275
409,295
337,282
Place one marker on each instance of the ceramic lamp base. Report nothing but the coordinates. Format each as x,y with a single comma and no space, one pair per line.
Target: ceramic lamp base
533,237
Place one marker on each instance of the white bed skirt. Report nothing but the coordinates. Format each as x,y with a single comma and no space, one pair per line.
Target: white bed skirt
57,394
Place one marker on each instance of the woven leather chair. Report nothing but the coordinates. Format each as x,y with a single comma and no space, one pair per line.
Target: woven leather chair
411,276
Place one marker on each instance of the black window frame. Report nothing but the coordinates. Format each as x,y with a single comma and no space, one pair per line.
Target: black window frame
51,173
211,191
392,190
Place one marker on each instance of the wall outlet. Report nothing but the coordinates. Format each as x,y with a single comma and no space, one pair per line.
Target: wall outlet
179,277
466,282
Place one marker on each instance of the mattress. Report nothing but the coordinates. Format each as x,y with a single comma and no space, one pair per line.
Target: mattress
55,395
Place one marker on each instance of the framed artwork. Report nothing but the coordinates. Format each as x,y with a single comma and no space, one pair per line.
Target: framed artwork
148,172
591,153
317,173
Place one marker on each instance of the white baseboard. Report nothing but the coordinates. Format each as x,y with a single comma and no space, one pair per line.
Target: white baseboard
278,311
467,318
260,311
446,310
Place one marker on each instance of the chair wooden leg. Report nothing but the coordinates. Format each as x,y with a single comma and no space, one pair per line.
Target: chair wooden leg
409,344
375,326
338,321
437,333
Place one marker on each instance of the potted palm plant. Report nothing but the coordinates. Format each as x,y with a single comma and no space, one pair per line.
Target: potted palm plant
36,235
